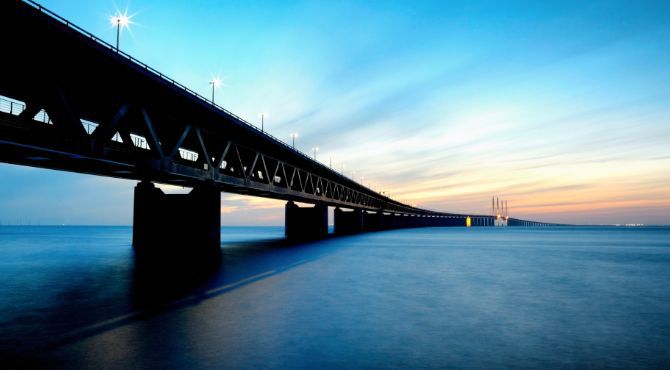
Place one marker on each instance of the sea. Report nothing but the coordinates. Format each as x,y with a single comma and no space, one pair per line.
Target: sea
76,297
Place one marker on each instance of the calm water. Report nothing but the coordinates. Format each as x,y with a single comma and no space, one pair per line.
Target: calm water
73,297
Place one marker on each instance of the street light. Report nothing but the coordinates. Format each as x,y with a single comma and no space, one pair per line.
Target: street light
315,149
293,136
215,82
262,115
120,21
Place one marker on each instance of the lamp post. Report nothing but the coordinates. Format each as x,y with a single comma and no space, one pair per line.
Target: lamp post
215,82
293,136
315,149
262,115
119,21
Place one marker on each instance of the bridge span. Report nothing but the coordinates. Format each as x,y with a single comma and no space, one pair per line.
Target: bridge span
72,102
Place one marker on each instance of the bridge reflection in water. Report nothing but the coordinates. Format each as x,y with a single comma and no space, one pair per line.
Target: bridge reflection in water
73,102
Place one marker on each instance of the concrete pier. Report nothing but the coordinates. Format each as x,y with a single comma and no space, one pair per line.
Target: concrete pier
303,223
348,222
373,221
175,225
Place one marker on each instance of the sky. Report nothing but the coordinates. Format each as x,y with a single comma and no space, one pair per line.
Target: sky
560,107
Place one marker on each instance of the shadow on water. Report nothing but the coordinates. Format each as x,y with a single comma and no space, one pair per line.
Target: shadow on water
156,286
168,284
160,281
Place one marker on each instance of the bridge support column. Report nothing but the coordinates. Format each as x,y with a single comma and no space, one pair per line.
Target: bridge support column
307,222
413,220
388,221
404,220
177,225
348,222
373,221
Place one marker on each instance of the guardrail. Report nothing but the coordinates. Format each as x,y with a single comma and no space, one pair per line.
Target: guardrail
15,107
11,106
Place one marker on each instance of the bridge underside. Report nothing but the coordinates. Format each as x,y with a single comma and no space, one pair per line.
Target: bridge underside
358,220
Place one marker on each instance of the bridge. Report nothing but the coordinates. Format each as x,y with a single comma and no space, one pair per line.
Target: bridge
70,101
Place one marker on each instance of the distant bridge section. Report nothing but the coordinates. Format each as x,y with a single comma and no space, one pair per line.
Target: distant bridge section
72,102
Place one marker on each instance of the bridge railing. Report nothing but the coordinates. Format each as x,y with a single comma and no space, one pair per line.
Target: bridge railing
15,107
11,106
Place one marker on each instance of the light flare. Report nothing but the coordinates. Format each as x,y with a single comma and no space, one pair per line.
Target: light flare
216,82
122,20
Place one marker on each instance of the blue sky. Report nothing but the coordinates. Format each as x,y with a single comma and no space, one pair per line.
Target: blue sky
560,107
